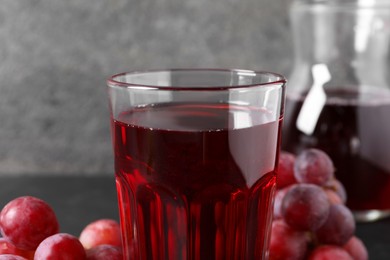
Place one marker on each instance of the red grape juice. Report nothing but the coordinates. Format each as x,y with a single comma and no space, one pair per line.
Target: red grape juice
195,181
354,129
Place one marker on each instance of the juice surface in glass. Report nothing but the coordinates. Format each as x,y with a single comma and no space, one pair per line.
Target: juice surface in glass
195,180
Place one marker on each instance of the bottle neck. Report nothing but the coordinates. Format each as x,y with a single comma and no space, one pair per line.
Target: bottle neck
315,34
352,41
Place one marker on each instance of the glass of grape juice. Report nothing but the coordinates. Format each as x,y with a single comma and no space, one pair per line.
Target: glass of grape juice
195,153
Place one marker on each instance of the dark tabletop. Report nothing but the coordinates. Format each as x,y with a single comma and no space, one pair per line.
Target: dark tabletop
78,201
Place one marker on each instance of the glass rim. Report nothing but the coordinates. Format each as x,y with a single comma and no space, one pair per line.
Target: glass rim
113,82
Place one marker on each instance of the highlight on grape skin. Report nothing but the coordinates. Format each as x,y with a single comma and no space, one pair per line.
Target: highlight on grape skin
26,221
12,257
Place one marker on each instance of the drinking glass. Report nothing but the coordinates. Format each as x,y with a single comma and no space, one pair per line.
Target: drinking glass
196,152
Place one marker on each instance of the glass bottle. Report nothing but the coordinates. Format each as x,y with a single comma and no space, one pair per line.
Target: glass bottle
338,95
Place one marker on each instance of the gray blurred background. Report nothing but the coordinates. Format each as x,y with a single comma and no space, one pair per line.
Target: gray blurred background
55,56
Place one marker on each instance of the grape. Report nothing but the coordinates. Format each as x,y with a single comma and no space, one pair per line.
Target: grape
26,221
7,247
285,170
313,166
11,257
99,232
305,207
333,197
336,186
279,195
104,252
356,249
60,246
287,243
328,252
338,228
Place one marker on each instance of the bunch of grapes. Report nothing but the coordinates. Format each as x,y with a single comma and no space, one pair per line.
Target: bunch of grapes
30,230
311,220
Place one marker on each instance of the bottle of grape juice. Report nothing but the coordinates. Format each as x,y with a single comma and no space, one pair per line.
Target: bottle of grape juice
338,95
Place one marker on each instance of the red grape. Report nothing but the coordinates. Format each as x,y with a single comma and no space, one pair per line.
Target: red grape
336,186
305,207
313,166
333,197
100,232
287,243
104,252
328,252
285,170
356,249
26,221
279,196
11,257
339,226
60,246
7,247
